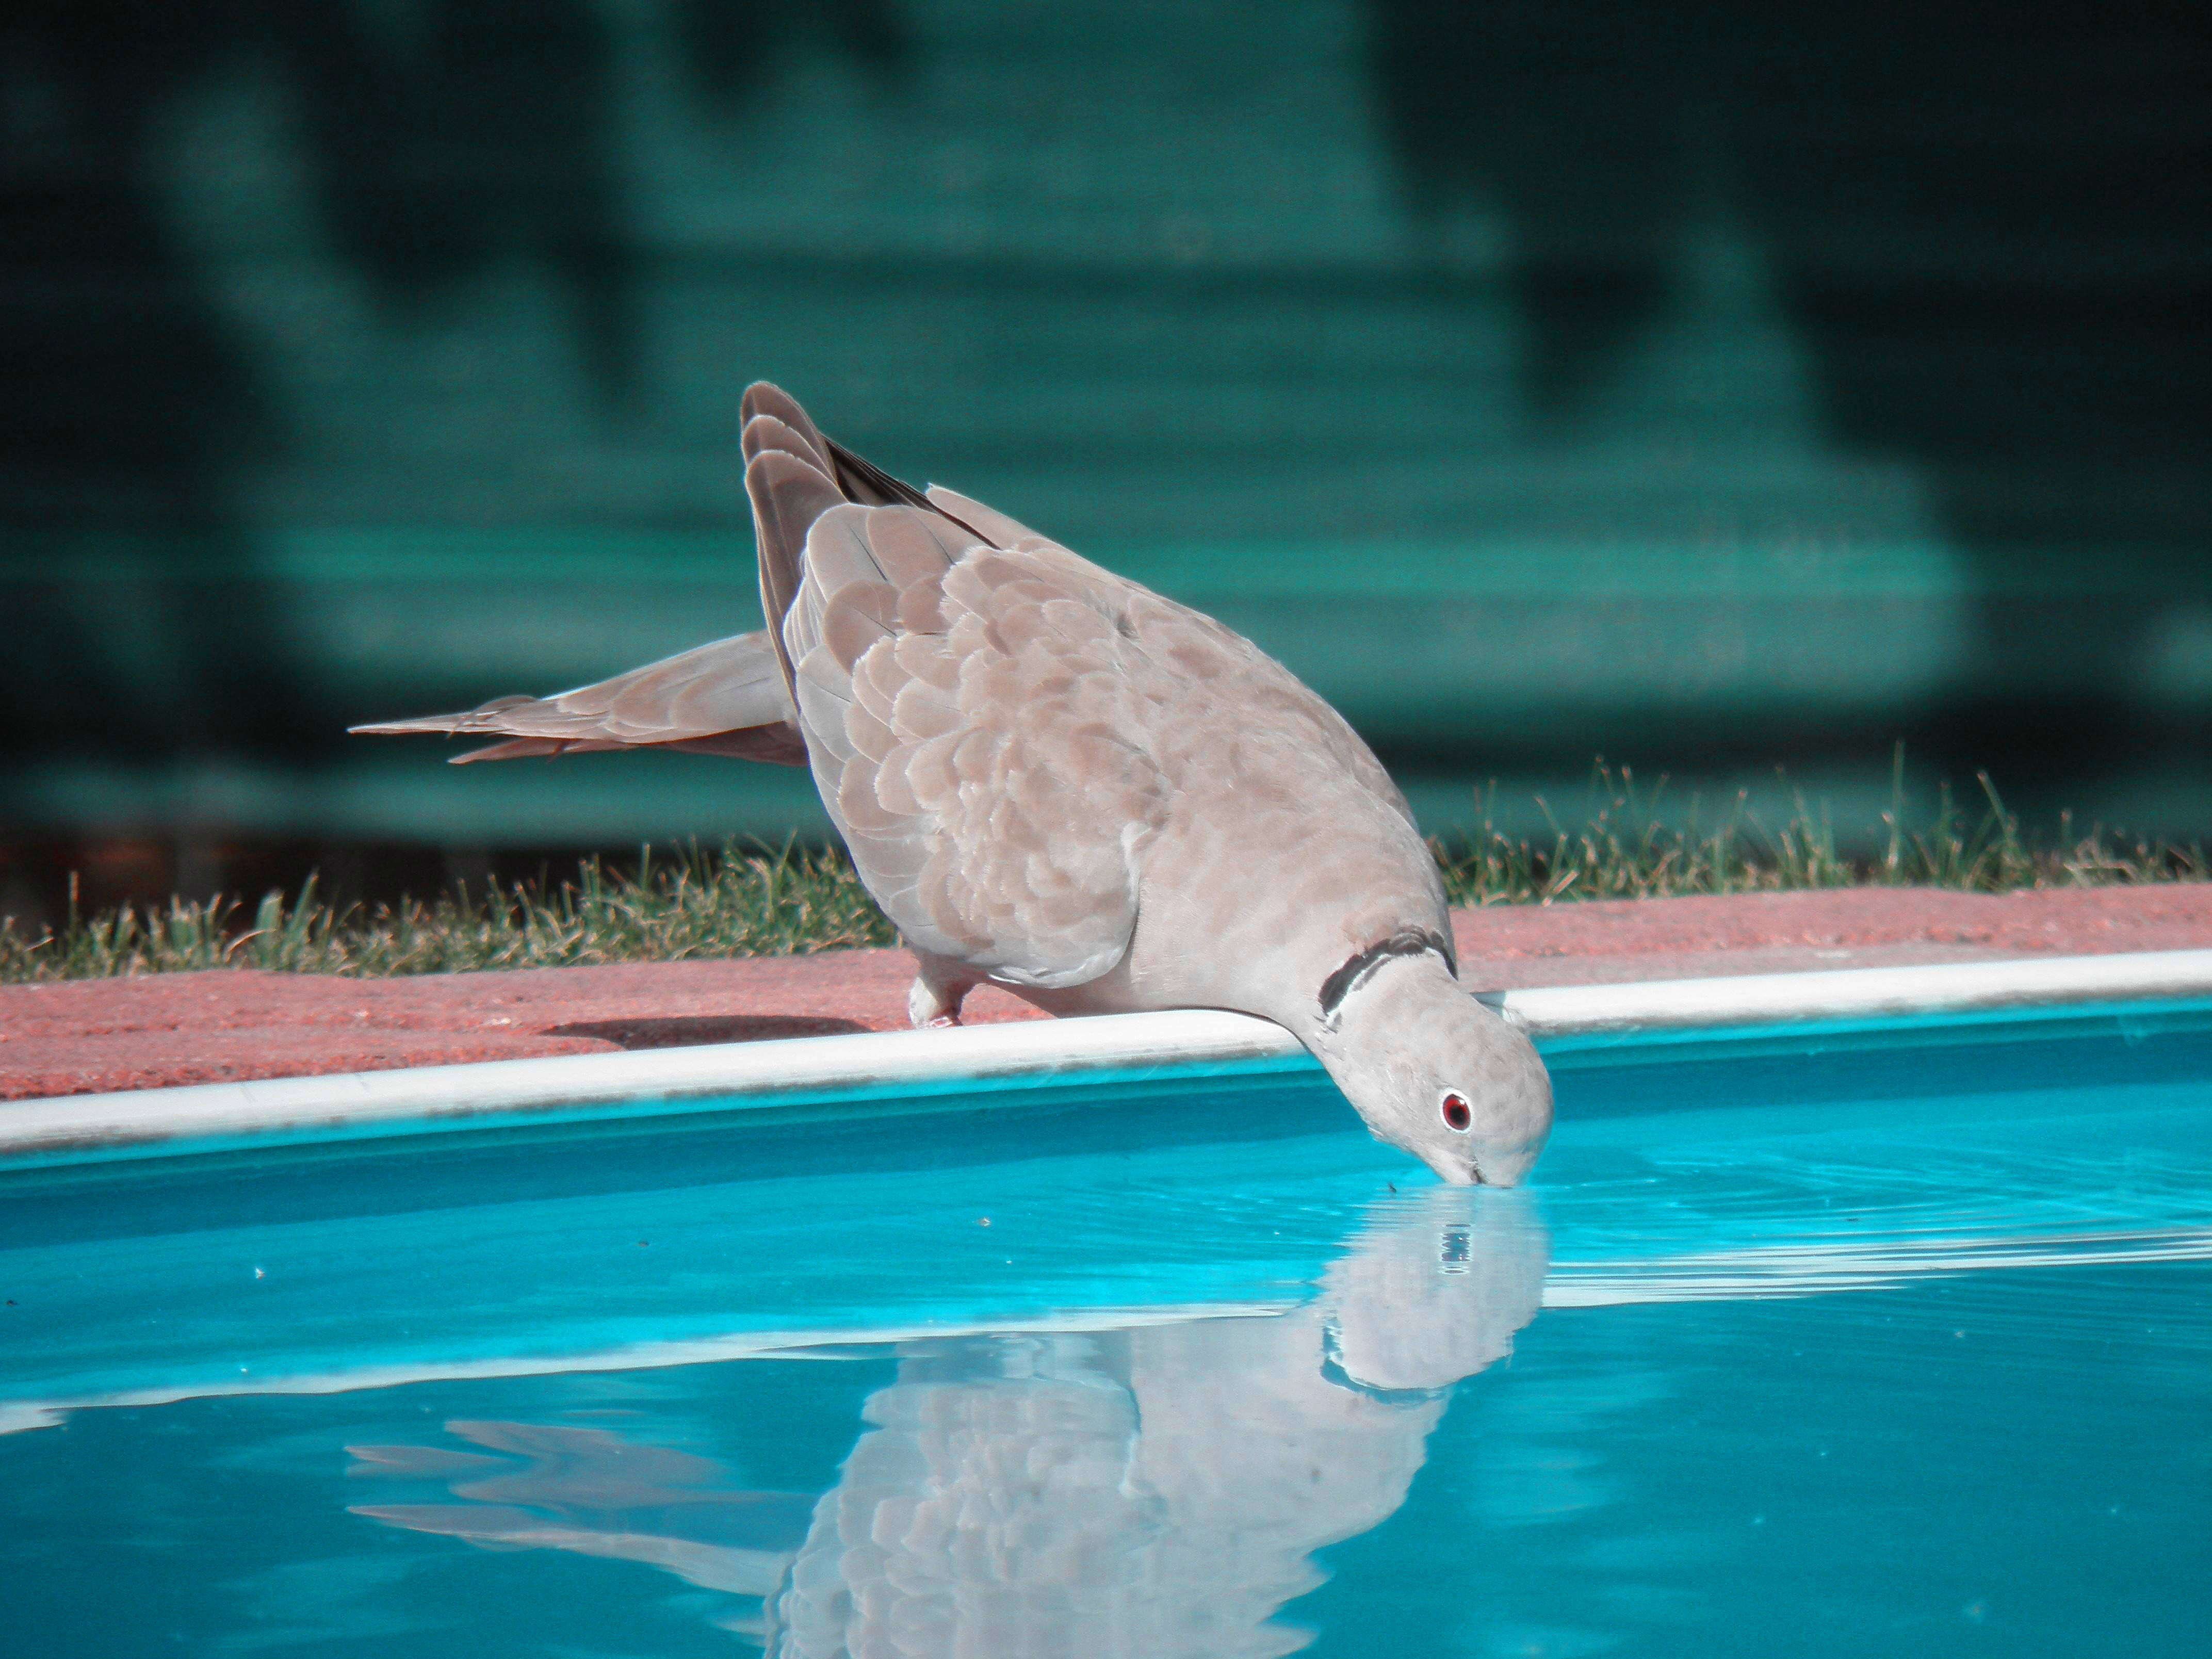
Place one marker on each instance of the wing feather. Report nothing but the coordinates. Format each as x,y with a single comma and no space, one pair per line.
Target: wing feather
837,550
859,616
787,496
987,521
916,547
764,399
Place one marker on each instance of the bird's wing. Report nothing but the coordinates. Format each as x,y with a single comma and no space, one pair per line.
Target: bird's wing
726,697
970,723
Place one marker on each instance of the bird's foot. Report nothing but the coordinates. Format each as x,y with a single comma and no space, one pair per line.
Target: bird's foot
930,1006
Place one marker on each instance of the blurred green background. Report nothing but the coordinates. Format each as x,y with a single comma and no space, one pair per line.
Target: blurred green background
1709,387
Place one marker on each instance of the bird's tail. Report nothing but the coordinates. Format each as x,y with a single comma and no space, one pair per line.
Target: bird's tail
726,697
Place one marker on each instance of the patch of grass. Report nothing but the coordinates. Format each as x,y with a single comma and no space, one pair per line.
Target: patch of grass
743,902
1627,849
736,903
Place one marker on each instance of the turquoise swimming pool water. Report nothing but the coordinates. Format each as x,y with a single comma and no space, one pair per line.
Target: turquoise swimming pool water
1876,1340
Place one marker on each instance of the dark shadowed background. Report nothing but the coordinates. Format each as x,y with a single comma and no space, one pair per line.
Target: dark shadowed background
1711,388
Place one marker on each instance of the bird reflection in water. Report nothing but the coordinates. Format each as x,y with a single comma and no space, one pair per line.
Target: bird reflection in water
1156,1490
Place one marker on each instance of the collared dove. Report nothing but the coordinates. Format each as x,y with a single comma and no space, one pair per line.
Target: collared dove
1056,781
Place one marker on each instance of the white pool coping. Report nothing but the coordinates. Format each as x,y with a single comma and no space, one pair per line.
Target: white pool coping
389,1101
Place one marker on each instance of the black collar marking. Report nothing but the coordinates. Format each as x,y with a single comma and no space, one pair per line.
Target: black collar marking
1414,942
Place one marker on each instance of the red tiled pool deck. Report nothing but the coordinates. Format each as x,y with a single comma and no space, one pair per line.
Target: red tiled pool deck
226,1026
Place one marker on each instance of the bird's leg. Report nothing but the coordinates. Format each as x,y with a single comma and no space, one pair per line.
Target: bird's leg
939,990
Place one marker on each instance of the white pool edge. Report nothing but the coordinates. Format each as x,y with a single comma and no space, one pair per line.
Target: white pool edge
380,1102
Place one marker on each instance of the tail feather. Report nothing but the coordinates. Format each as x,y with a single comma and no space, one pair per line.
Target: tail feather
723,698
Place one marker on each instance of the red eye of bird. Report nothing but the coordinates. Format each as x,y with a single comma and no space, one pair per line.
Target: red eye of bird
1456,1115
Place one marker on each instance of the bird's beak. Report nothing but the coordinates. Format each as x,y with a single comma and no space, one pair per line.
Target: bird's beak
1508,1169
1459,1171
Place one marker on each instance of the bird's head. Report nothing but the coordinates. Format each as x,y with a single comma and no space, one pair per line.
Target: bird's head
1433,1071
